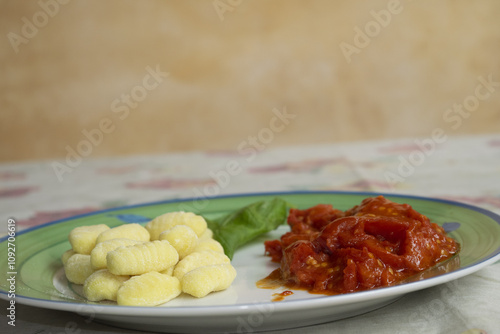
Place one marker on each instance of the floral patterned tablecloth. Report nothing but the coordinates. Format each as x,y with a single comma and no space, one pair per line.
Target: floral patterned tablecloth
465,169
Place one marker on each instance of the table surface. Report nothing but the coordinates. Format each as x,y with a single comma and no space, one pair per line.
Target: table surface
465,169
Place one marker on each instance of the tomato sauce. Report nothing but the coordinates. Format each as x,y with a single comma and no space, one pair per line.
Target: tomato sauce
374,244
280,296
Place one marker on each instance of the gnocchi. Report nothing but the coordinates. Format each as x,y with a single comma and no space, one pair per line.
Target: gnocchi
98,254
203,280
78,268
84,238
208,234
139,259
147,265
182,238
102,285
128,231
171,219
198,259
208,244
148,289
168,271
66,255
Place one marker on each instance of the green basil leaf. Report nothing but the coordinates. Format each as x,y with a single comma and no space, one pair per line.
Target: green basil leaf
239,227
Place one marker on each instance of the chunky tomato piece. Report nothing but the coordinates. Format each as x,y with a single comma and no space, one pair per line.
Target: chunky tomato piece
304,225
374,244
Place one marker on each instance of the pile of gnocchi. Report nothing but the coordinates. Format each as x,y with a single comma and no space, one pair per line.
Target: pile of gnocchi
147,265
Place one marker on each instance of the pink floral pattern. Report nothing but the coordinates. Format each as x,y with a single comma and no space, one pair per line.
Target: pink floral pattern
16,191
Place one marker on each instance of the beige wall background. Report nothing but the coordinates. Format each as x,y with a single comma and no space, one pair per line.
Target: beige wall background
83,66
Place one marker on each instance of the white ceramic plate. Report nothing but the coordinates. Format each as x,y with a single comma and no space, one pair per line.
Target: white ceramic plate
243,307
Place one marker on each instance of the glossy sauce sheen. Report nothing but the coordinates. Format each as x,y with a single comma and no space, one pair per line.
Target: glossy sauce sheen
375,244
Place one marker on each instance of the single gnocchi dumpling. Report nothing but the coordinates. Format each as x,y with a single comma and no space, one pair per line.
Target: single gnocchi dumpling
84,238
182,237
149,289
98,254
199,259
139,259
171,219
208,234
78,268
102,285
208,245
128,231
66,255
204,280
